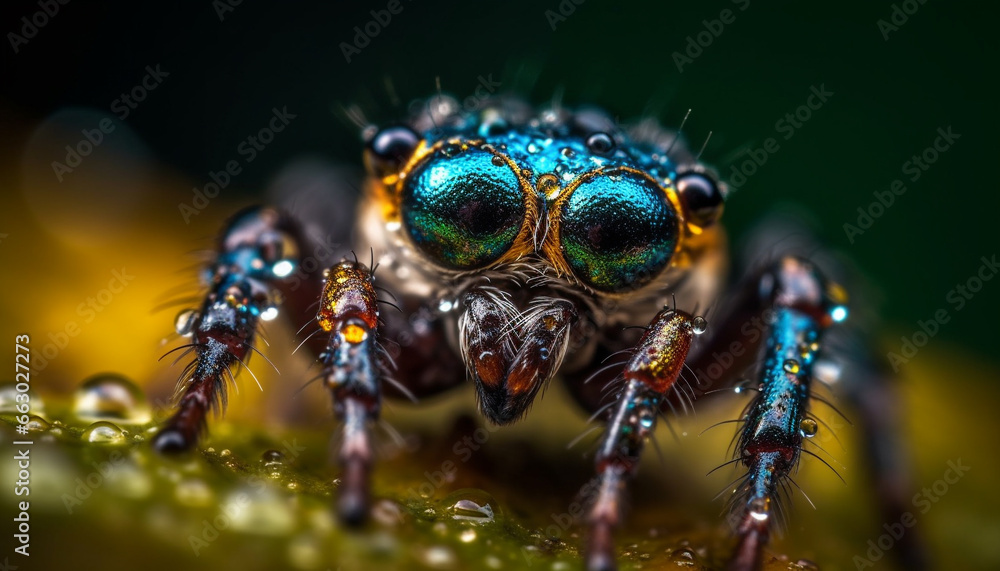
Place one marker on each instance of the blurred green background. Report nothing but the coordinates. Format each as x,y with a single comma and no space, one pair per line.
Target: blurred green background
229,66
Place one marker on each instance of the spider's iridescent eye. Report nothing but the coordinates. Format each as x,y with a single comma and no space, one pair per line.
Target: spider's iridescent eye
463,211
619,231
389,150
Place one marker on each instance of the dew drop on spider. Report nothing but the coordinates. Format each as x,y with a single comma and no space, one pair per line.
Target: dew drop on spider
759,508
269,313
103,432
699,325
791,366
109,396
184,323
808,427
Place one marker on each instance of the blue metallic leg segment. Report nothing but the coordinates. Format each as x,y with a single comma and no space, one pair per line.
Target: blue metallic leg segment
771,441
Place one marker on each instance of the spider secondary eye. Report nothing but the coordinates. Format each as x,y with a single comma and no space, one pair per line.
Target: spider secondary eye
463,211
389,149
619,231
701,198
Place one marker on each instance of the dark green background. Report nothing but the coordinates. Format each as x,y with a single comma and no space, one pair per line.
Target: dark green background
937,70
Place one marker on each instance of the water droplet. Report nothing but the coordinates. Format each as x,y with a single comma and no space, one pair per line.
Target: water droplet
471,504
283,268
498,161
533,148
548,184
184,323
808,427
467,535
699,325
838,313
272,457
439,556
8,400
759,508
37,424
103,433
646,422
111,397
567,152
791,366
266,513
684,557
193,492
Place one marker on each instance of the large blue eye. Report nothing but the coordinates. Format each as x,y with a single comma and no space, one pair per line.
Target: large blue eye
463,210
618,231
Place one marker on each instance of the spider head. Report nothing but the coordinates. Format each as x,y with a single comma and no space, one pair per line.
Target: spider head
606,216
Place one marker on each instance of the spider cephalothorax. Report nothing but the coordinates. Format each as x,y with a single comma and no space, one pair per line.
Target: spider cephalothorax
565,215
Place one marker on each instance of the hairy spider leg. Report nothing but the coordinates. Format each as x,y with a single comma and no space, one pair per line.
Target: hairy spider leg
652,370
352,371
257,249
771,441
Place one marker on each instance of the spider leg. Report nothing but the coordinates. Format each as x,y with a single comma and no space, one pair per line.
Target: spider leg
650,373
252,261
803,304
352,372
868,385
